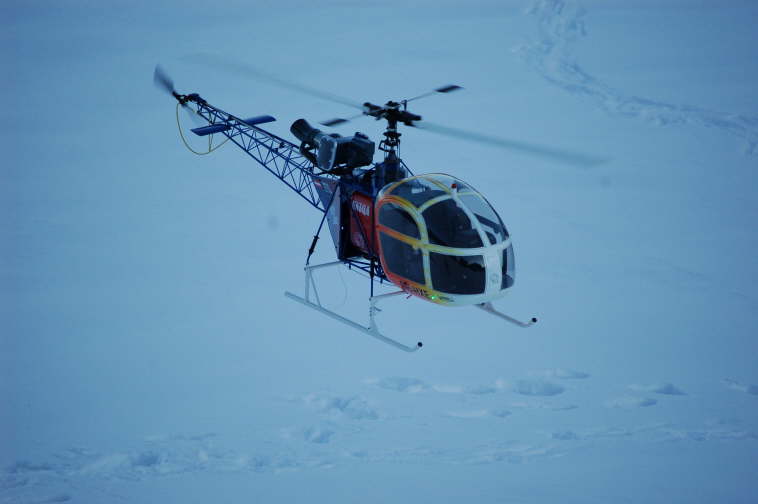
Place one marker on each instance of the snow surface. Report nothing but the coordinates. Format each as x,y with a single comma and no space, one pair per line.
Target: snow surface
147,353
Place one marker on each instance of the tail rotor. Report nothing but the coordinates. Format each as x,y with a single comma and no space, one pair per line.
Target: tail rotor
165,83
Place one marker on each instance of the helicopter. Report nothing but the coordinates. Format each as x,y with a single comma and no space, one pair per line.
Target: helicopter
433,236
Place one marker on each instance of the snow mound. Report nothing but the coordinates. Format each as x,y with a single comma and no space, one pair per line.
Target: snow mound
629,402
537,388
480,389
712,435
146,459
412,385
664,389
468,414
742,387
566,435
354,407
481,413
564,407
449,389
402,384
565,374
318,435
24,466
54,498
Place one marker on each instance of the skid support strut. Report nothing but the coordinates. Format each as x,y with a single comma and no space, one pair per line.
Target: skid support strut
371,329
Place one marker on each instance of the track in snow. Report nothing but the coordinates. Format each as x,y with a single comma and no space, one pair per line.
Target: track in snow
561,24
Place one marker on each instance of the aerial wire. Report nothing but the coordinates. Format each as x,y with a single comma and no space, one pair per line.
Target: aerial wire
186,144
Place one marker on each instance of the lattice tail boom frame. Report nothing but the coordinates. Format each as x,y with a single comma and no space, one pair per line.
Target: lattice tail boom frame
279,156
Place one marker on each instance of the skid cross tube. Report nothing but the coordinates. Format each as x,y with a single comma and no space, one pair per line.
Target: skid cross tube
372,329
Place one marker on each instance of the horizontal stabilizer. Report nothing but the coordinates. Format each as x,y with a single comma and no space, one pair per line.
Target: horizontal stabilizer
252,121
210,129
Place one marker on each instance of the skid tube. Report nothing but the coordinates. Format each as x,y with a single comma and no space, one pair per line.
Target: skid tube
491,310
371,330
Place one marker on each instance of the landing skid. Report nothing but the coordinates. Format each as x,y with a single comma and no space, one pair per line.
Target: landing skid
491,309
371,330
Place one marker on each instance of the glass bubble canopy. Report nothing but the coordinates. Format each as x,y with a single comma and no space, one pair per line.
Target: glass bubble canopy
441,239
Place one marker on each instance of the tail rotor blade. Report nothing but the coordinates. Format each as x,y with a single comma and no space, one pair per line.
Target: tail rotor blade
162,80
194,117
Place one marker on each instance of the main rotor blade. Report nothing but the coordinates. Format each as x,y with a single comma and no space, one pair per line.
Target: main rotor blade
555,154
339,120
162,80
254,73
444,89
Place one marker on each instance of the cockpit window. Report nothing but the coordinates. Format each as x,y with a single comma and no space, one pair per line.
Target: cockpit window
417,191
457,274
492,225
399,220
509,267
449,226
402,259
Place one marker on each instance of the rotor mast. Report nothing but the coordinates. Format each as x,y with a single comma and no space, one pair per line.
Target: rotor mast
393,114
391,140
